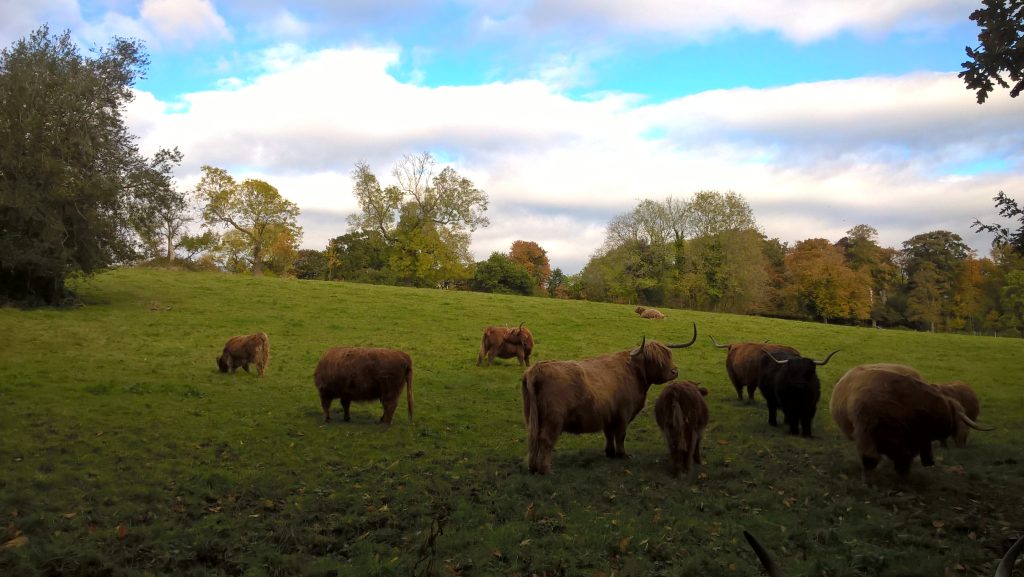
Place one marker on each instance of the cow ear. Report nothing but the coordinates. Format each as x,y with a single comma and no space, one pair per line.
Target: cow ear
703,391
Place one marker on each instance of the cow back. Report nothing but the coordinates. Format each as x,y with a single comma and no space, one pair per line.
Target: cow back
361,373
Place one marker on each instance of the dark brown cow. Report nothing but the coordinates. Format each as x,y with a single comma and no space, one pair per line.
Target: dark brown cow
743,363
597,394
1004,569
646,313
364,374
243,350
682,416
896,415
505,343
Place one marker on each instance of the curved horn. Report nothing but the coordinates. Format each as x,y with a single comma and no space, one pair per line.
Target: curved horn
775,359
827,358
639,349
766,559
684,345
716,343
977,427
521,326
1006,565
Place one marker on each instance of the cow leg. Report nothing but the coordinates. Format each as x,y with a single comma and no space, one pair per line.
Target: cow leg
609,442
794,423
325,403
750,392
345,404
927,459
245,366
541,446
772,409
805,425
619,433
870,464
389,409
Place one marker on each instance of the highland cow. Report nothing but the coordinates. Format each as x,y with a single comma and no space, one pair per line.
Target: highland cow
505,343
601,393
243,350
743,363
682,416
364,374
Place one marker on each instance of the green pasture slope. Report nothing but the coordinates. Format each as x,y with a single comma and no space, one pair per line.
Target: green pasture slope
124,452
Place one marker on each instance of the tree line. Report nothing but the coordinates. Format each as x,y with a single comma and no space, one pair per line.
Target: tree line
76,196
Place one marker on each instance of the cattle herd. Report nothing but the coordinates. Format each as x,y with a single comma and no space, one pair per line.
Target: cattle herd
886,409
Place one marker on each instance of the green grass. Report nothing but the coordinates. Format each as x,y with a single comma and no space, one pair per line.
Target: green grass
125,452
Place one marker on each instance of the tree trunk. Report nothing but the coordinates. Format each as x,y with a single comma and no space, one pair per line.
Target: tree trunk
257,260
170,249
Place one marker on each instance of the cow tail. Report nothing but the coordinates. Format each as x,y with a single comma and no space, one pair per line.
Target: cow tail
531,411
408,390
679,428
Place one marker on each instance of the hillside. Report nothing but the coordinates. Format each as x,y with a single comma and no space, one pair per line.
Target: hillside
125,452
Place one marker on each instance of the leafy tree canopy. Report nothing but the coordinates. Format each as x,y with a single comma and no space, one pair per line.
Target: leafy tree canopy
1000,50
1004,236
74,189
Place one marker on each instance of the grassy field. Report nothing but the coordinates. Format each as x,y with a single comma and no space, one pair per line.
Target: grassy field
124,452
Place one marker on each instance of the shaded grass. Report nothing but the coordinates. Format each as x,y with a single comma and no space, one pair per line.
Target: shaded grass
126,453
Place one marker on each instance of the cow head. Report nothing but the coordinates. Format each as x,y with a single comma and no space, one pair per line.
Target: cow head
962,423
640,310
657,358
222,364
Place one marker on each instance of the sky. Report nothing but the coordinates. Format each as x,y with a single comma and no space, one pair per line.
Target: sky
822,114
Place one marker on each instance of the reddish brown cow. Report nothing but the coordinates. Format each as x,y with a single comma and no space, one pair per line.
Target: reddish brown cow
505,343
597,394
646,313
743,363
896,415
682,416
364,374
243,350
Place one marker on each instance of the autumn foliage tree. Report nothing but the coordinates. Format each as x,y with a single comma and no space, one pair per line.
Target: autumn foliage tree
534,259
258,218
822,284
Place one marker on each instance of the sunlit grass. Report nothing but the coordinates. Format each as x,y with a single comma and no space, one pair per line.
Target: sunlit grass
125,452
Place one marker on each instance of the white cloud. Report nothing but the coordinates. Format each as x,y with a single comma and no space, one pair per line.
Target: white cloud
186,21
799,20
813,160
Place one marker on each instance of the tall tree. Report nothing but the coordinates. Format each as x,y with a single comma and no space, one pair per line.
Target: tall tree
863,254
254,209
824,285
162,228
1013,300
71,174
1000,49
425,220
710,212
501,274
534,259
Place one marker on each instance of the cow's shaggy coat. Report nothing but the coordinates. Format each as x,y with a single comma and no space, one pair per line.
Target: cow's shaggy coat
601,393
743,363
895,415
364,374
243,350
505,343
682,415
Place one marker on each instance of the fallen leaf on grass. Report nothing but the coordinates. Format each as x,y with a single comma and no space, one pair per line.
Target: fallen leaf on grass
19,541
122,531
938,524
624,544
70,515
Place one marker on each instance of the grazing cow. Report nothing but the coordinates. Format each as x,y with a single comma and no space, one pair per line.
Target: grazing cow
896,415
1004,568
506,343
790,382
646,313
964,394
364,374
597,394
243,350
743,363
682,415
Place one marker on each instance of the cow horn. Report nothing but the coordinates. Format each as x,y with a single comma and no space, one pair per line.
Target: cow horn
521,326
716,343
829,357
1006,564
975,426
766,559
639,349
684,345
775,359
